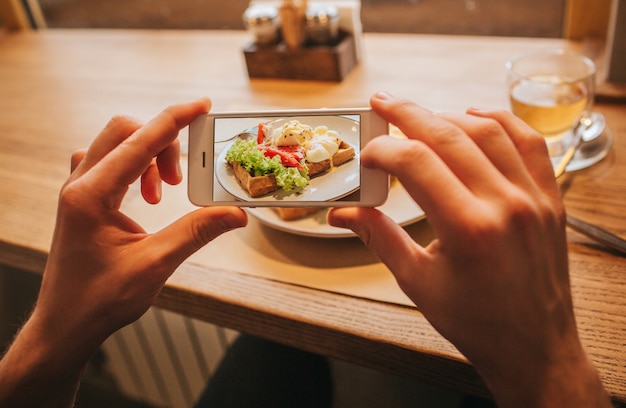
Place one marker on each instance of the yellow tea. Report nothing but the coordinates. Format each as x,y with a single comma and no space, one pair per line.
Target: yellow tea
549,104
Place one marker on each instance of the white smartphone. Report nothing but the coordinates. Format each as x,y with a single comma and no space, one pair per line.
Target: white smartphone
285,159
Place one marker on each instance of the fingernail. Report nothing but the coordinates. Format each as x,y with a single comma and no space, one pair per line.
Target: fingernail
383,96
179,171
159,191
476,109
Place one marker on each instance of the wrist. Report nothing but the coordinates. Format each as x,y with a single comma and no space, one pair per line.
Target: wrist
40,368
569,379
64,337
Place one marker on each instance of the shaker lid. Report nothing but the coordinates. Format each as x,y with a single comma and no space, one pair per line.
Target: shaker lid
322,12
260,13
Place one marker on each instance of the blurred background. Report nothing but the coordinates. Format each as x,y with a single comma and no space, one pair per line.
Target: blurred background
532,18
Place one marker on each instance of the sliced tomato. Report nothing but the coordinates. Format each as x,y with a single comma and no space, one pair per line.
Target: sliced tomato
287,158
260,136
296,151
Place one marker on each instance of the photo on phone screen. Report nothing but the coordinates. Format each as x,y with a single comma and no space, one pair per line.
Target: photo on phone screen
283,159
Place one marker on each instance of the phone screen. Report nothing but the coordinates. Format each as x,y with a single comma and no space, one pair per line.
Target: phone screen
287,158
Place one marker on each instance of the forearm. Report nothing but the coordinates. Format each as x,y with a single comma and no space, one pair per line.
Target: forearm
39,370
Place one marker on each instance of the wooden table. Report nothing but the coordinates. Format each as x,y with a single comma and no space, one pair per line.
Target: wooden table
58,88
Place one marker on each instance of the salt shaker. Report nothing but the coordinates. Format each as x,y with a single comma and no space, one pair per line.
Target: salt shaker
263,22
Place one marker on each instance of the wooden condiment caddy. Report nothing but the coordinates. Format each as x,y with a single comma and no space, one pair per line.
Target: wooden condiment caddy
318,62
311,47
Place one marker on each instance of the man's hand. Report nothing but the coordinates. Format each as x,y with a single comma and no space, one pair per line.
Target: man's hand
104,271
495,282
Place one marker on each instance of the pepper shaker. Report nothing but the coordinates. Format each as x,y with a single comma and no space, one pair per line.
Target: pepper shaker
322,24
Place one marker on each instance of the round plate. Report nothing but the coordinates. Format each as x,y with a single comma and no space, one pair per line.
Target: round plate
399,206
333,185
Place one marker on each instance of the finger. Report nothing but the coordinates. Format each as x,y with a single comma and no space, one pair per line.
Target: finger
168,163
166,168
152,139
151,188
390,242
118,129
128,161
448,141
423,174
495,142
530,145
77,158
193,231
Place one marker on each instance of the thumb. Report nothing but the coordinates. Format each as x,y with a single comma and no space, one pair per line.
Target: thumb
408,261
389,241
193,231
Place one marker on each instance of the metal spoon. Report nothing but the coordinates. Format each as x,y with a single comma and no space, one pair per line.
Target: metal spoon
595,129
588,128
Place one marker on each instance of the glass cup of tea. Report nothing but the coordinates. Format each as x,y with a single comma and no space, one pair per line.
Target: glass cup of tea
553,92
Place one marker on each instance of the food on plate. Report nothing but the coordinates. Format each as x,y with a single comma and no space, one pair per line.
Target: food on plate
295,213
286,156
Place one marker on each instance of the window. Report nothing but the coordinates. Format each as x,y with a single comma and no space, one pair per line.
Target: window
537,18
530,18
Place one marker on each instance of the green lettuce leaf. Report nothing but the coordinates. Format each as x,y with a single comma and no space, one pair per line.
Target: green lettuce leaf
245,153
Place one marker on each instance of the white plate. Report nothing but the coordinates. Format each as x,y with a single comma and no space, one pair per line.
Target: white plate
399,206
333,185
